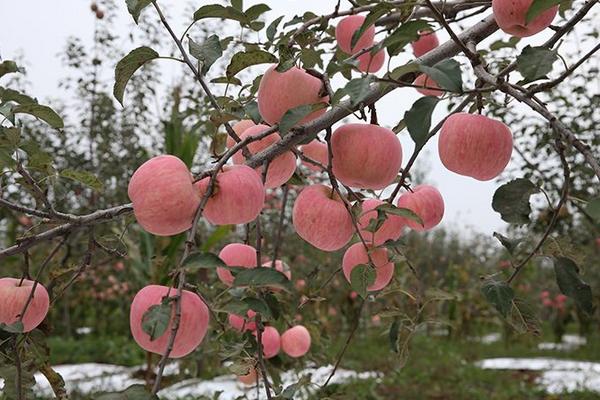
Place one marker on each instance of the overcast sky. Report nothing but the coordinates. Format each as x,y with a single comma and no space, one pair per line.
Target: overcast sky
38,29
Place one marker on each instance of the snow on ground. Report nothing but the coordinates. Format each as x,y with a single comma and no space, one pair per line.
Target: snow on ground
557,376
569,342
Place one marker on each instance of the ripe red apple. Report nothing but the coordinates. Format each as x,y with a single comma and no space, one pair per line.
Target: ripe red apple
280,169
474,145
163,196
192,325
235,255
295,342
281,267
391,229
271,342
317,151
238,198
239,127
13,297
281,91
427,41
240,323
365,156
428,86
356,255
425,201
345,30
320,217
371,63
510,17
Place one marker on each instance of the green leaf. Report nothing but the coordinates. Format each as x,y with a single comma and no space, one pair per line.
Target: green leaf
287,58
511,200
357,89
399,72
13,95
418,119
206,53
361,277
219,11
256,11
393,335
42,112
296,179
134,392
500,295
571,285
539,6
10,137
237,4
593,209
293,116
135,7
446,74
206,260
244,59
407,32
509,244
16,327
272,28
261,277
378,11
535,62
85,177
258,305
156,319
399,211
127,67
7,67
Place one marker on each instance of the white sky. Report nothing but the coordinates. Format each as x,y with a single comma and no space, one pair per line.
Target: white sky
38,30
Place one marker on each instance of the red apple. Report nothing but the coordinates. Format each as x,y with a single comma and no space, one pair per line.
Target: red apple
192,325
271,342
365,156
235,255
356,255
316,151
239,127
427,41
425,201
371,63
13,297
391,229
474,145
243,324
510,17
320,217
345,30
427,86
295,342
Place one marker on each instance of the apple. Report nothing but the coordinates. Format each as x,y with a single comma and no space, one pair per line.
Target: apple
510,17
320,217
238,197
163,196
425,201
427,41
193,323
391,229
345,30
365,156
279,92
316,151
295,342
427,86
14,294
281,167
280,266
474,145
357,254
250,378
271,342
371,63
240,323
239,127
235,255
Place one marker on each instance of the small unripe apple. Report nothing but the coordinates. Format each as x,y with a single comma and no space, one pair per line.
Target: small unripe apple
163,195
281,91
295,342
13,297
281,167
235,255
391,229
193,323
356,255
240,323
271,342
427,41
345,30
425,201
427,86
316,151
371,63
365,156
510,17
238,197
474,145
320,217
